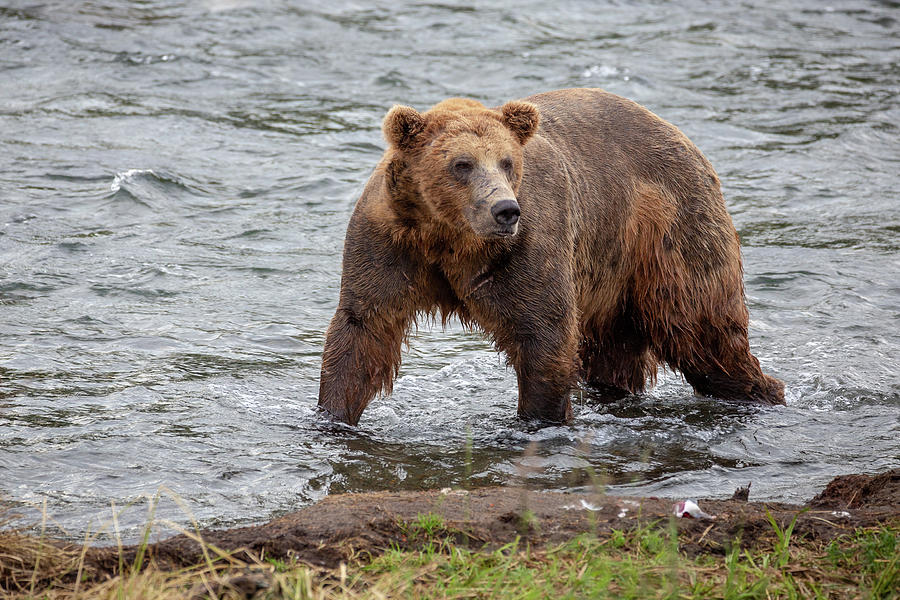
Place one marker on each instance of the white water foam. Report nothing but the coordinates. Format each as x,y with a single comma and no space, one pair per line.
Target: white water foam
126,176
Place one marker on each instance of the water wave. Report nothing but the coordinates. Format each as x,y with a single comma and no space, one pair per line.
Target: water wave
128,176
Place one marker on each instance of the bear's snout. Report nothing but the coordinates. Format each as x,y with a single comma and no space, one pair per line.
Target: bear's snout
506,212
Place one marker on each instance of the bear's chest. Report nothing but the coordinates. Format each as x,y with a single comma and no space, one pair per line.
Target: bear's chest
478,287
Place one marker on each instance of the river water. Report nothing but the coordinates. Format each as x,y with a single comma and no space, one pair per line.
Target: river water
177,177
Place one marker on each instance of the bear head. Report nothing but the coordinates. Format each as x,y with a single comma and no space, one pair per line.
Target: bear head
459,164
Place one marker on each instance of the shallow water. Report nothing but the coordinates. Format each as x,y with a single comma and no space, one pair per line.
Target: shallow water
175,185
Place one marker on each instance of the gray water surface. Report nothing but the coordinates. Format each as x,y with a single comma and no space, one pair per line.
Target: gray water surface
176,179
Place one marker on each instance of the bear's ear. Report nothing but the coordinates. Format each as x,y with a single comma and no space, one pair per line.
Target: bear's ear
401,126
522,118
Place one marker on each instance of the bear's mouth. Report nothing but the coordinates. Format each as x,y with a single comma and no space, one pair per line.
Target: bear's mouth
503,232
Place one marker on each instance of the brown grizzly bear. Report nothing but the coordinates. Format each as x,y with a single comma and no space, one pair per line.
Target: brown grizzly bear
584,234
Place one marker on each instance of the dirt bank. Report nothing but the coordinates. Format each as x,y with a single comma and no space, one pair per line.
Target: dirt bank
355,525
345,525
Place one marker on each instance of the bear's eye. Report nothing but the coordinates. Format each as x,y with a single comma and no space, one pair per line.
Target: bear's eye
507,165
462,167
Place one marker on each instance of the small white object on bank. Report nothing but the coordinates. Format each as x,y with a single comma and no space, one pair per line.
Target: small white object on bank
689,509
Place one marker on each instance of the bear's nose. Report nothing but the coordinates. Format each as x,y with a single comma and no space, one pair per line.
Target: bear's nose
506,212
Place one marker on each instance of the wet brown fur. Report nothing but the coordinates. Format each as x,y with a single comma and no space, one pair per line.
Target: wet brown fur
624,258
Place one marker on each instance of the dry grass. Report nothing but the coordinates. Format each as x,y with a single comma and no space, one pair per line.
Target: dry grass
645,563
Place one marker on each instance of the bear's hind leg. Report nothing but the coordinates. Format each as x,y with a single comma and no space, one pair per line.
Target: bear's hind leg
615,359
719,384
718,363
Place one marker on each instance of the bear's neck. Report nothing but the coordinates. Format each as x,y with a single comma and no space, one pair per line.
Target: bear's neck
442,246
466,264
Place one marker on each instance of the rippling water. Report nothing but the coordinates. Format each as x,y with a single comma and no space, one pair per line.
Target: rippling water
175,182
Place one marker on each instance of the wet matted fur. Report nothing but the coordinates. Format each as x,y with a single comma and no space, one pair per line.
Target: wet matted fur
623,256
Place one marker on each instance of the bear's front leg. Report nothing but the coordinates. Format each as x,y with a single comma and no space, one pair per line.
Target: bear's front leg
544,356
378,302
544,399
361,357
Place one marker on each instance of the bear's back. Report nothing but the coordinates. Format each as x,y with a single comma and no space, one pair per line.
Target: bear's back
590,125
